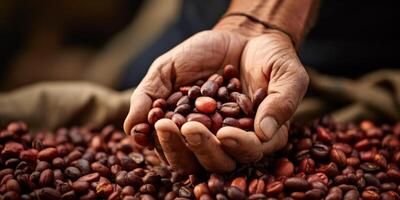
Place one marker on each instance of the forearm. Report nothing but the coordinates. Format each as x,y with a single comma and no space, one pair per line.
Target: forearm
293,17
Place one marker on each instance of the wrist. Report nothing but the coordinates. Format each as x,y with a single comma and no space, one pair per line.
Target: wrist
293,17
241,25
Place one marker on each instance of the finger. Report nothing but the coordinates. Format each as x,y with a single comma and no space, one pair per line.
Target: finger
207,148
156,84
286,88
177,154
278,141
244,146
139,107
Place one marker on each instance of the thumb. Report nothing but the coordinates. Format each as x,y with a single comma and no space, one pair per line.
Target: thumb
286,88
156,84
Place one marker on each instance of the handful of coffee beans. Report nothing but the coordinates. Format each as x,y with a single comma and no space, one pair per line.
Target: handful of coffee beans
215,102
322,160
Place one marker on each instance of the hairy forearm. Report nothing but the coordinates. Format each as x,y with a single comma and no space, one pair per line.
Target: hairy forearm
293,17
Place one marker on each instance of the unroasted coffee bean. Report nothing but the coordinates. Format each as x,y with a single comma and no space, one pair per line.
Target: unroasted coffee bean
216,119
230,109
183,109
178,119
104,189
202,118
222,94
205,104
160,103
173,99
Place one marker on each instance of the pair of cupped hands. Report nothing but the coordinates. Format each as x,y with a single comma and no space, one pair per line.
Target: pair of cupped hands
266,59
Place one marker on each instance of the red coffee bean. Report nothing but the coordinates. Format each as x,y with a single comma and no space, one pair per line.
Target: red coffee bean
154,115
205,105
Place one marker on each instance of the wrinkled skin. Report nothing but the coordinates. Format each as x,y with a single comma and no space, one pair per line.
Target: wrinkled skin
266,60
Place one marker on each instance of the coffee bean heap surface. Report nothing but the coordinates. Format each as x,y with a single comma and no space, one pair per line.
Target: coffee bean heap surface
322,160
215,102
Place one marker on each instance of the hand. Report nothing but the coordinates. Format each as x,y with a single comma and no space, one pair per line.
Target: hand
267,60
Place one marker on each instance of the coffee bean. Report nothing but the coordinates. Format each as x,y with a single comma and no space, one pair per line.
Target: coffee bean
235,193
202,118
47,154
229,121
160,103
209,88
296,184
194,92
205,105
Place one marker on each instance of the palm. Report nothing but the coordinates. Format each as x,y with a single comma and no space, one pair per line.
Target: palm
267,61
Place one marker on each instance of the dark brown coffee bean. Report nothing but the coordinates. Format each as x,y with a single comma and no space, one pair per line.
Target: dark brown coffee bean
314,194
246,123
46,178
229,121
48,193
369,167
258,96
234,85
72,173
13,185
245,104
184,89
173,99
324,135
147,189
216,119
235,193
186,192
101,169
222,94
296,184
215,184
343,147
339,157
69,195
194,92
90,177
209,88
80,187
320,151
334,193
351,195
307,166
230,109
183,100
370,195
230,72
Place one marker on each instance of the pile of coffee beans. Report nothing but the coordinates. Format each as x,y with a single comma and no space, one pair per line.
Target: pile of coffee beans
322,160
215,102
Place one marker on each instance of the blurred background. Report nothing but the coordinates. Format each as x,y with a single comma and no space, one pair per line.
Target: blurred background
112,42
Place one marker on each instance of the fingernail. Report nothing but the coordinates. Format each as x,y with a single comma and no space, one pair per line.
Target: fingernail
194,139
229,142
268,126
